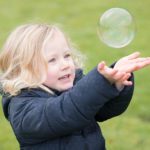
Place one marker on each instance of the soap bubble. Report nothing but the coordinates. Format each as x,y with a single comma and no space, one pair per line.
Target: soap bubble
116,27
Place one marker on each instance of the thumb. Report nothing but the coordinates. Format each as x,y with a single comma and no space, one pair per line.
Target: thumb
101,65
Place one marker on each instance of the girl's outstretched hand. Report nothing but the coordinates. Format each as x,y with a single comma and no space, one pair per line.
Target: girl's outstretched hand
119,78
132,63
123,68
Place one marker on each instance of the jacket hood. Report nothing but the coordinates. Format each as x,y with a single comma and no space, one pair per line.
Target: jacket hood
5,101
5,105
6,98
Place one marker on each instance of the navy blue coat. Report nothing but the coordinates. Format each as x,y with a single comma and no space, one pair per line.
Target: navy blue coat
67,120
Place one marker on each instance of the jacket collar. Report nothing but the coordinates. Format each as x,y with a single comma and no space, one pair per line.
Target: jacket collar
32,92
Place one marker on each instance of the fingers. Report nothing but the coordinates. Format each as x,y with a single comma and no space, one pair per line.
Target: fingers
108,73
133,55
105,70
127,83
119,76
139,60
122,70
133,65
144,63
127,61
111,74
101,65
125,79
138,64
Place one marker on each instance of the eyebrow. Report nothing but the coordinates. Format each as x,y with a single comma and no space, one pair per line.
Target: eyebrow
67,51
55,54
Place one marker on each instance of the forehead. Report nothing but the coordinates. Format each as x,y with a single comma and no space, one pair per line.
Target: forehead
57,43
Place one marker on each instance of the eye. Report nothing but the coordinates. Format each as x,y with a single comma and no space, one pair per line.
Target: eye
67,55
52,60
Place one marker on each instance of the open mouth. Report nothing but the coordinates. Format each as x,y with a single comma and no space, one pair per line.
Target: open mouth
64,77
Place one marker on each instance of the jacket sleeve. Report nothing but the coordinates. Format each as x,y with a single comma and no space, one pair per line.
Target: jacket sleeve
71,111
117,105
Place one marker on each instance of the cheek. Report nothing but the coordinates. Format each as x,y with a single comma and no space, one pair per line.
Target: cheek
72,64
51,75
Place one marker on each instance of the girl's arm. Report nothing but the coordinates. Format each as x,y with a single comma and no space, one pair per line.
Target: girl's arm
127,65
117,105
53,117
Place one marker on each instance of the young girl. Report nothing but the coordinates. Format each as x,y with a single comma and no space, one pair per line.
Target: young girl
48,101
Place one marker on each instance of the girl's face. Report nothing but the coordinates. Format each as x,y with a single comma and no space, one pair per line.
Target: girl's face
61,68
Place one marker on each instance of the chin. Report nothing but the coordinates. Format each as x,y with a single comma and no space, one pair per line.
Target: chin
67,87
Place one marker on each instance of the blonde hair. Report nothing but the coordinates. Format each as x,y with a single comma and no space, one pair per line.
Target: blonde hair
22,62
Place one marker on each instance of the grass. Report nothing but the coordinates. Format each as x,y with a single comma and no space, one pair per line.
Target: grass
127,133
79,19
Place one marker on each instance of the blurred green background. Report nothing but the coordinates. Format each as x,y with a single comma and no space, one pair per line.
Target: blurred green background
79,19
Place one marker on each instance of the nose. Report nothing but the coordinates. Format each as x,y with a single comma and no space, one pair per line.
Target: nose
64,64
